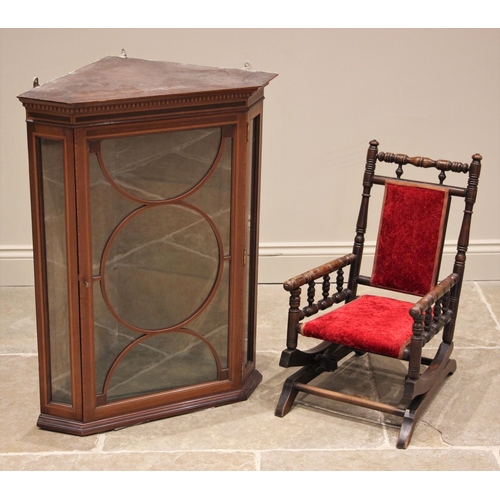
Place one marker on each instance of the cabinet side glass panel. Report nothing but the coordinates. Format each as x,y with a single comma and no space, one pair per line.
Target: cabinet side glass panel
251,243
51,159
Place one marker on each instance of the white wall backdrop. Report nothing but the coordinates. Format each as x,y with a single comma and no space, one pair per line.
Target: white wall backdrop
432,92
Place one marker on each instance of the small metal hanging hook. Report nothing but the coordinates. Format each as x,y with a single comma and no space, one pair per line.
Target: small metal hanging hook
123,53
247,65
35,82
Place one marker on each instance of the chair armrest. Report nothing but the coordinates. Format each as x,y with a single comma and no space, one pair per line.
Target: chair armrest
318,272
295,314
421,334
434,295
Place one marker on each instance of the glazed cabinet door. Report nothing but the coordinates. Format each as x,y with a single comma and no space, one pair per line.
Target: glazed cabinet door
157,243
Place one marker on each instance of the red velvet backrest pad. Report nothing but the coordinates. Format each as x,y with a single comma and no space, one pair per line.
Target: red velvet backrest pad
410,239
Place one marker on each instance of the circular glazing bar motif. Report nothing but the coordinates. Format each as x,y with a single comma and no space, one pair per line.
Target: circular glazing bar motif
155,168
180,357
161,267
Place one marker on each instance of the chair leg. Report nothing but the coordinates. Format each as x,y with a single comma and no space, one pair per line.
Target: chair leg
289,392
321,360
418,405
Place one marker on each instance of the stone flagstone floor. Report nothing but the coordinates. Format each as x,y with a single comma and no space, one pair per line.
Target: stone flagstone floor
460,431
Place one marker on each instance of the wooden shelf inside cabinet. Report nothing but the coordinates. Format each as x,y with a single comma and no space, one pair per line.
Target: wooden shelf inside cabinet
145,200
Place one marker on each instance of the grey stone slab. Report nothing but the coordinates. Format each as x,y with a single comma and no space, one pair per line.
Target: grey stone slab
19,397
380,460
463,413
272,313
459,431
475,327
249,425
466,410
125,461
376,378
17,320
490,290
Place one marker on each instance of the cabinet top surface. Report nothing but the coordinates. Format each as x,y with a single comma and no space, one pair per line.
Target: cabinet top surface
121,78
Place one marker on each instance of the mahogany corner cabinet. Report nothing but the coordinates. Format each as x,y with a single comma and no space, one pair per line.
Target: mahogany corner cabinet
145,200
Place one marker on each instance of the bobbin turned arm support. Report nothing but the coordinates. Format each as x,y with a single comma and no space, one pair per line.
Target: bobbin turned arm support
427,321
318,272
295,313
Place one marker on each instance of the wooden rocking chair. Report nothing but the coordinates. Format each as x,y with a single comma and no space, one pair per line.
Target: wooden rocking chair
407,259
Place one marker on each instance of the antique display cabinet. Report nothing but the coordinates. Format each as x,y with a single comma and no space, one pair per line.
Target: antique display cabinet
145,197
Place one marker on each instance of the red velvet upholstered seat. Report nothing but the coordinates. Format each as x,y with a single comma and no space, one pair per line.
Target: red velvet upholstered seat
385,329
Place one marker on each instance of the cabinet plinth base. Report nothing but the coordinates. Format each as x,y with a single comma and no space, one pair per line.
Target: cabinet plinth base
78,428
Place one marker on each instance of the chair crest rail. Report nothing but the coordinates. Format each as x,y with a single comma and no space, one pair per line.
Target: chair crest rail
423,162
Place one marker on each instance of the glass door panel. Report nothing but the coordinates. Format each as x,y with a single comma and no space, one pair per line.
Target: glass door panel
161,217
